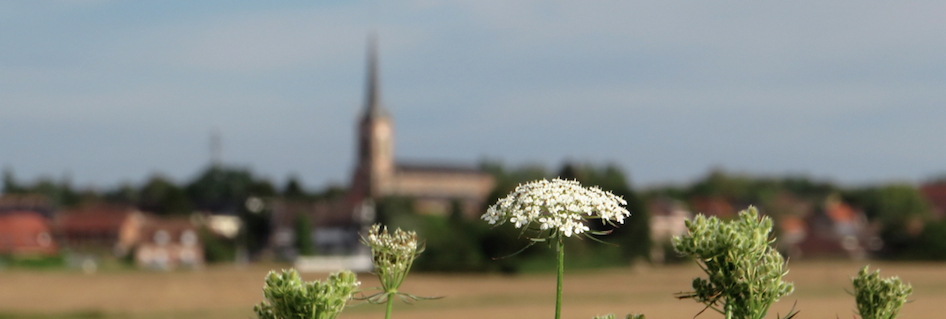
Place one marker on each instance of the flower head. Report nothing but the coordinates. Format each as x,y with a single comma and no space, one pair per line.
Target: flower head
744,270
287,296
392,253
557,206
877,297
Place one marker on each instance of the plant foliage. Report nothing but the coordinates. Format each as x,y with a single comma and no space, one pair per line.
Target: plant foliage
744,270
879,298
288,297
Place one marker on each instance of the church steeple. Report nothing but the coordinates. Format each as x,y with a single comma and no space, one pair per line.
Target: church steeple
373,105
374,175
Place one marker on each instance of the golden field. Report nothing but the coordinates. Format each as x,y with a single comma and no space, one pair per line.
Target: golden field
231,291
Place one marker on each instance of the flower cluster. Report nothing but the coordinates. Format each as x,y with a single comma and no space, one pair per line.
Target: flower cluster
879,298
559,206
392,254
289,297
745,271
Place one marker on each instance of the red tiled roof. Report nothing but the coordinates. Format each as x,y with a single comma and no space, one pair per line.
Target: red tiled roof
93,218
713,206
840,212
792,225
26,233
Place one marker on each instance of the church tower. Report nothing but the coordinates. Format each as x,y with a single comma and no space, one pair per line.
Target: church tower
375,172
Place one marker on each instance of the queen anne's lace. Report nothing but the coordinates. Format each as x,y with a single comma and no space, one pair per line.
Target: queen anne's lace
559,206
393,251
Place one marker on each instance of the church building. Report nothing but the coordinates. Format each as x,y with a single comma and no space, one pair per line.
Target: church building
434,188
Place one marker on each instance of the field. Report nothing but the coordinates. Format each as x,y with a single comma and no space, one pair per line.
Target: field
230,292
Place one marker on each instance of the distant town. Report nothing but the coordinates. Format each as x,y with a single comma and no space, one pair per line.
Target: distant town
228,214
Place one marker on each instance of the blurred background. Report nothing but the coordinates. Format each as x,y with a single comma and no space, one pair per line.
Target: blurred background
191,147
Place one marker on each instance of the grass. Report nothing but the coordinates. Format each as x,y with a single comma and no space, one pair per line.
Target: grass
231,292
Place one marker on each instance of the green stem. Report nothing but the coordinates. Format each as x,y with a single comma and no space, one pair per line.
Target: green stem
561,272
387,315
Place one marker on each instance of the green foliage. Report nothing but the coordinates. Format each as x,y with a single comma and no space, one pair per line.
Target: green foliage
10,186
162,196
758,190
78,314
33,262
392,208
893,203
450,245
288,297
124,194
59,193
293,189
217,249
879,298
303,230
901,211
744,270
470,245
225,189
257,229
931,244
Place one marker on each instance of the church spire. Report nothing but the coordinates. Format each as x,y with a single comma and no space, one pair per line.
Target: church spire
373,107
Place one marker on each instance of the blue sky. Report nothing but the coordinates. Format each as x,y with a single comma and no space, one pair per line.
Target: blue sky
115,91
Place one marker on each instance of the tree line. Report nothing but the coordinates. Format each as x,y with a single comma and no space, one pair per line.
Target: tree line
904,217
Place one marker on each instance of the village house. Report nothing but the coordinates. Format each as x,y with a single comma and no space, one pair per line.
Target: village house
168,244
99,228
26,234
837,230
667,219
25,226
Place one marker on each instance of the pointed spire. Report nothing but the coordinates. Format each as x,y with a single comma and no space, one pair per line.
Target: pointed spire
373,107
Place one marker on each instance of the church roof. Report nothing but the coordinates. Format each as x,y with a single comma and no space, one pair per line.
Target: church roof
438,168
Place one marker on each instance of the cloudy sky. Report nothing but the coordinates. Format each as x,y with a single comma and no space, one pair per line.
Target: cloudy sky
115,91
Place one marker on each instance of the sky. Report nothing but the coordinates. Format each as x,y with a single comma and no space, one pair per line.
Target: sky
108,92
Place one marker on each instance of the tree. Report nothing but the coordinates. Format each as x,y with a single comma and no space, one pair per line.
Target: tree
225,189
293,189
161,196
10,185
901,211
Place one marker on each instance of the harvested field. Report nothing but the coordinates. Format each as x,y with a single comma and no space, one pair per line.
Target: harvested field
230,292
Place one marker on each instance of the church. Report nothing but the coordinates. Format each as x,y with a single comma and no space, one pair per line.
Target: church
377,174
433,189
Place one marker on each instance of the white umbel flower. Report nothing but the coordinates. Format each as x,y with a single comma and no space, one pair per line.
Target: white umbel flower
393,251
559,206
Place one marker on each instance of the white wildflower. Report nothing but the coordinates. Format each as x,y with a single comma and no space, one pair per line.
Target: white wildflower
392,252
557,205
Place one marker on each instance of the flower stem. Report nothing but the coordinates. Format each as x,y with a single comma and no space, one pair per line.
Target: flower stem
387,314
561,272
